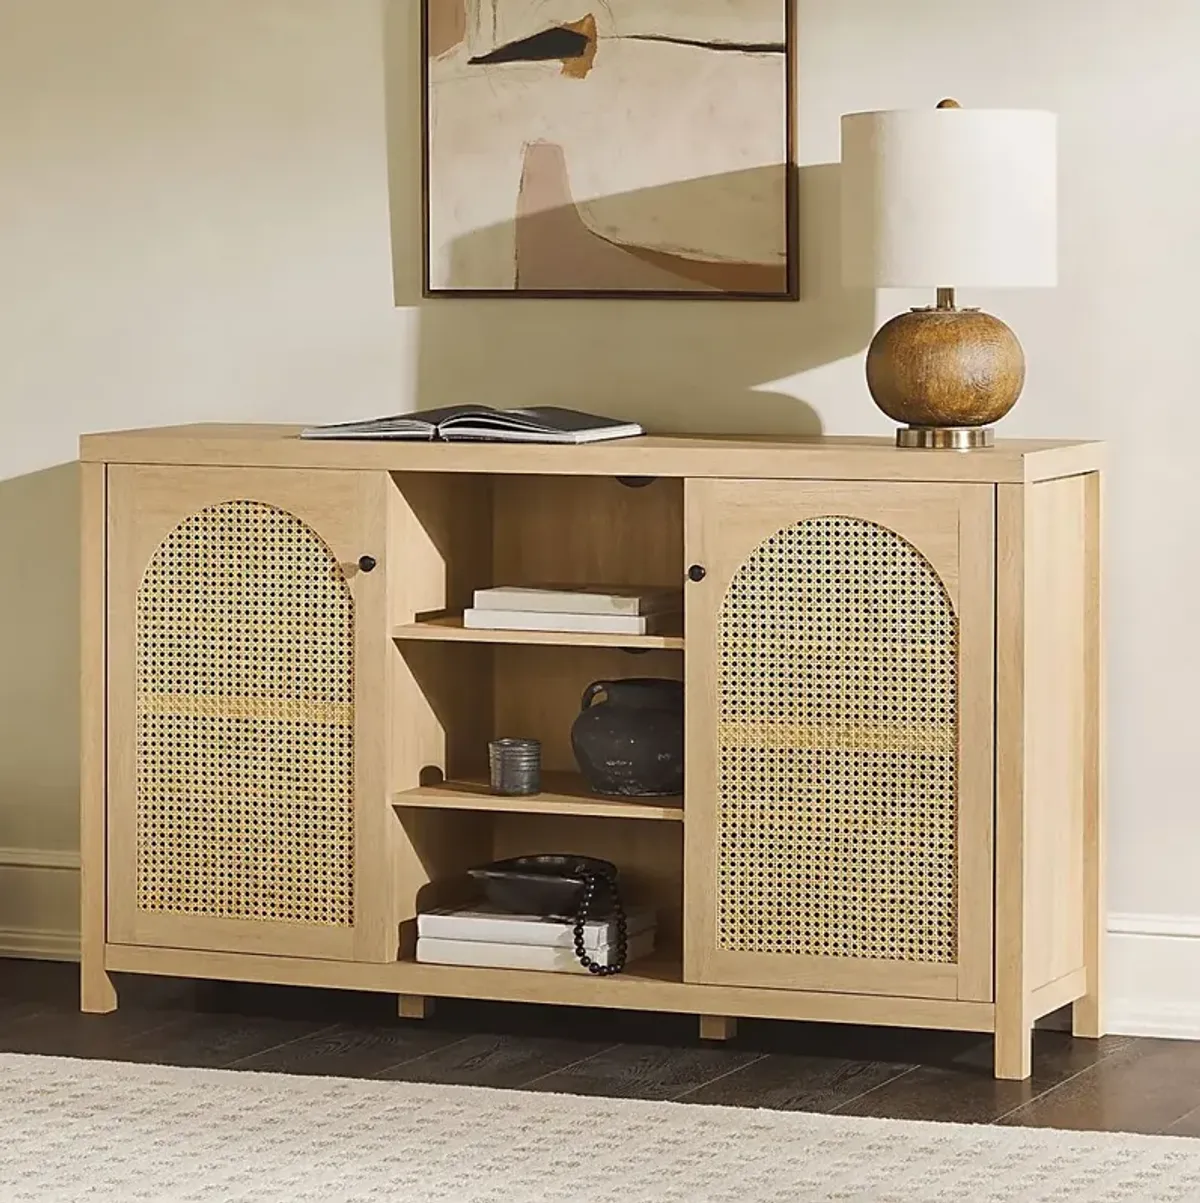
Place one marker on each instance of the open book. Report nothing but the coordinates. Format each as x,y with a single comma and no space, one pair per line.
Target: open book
482,423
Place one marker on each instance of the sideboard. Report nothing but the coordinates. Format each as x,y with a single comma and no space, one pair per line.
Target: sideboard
892,667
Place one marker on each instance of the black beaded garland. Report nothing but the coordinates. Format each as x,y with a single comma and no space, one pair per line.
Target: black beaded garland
585,909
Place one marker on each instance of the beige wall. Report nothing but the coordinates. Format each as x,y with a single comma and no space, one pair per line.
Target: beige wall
195,223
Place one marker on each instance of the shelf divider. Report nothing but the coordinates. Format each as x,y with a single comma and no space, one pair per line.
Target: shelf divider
563,794
448,628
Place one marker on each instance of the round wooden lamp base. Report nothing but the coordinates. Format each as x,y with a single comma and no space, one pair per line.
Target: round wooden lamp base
947,374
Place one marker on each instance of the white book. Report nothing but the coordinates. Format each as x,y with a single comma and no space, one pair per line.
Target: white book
594,624
484,955
582,599
490,926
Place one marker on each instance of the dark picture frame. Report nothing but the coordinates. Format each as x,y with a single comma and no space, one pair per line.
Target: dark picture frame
790,290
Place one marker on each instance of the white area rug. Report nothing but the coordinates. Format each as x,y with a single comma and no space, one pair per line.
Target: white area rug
96,1130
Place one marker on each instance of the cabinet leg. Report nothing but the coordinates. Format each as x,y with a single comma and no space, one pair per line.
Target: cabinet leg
1087,1014
1087,1017
415,1006
717,1027
1014,1050
97,994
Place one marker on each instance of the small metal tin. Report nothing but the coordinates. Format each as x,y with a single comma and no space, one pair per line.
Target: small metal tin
516,766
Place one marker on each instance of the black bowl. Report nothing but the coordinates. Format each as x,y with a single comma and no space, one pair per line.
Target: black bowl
539,885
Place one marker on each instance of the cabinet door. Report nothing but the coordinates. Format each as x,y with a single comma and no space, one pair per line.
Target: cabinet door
246,668
839,757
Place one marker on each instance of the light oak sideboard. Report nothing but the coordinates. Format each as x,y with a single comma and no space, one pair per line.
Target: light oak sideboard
892,658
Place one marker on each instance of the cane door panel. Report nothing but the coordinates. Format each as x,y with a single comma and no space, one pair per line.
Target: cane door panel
839,773
246,653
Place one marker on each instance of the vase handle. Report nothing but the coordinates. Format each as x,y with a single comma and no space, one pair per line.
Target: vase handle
592,692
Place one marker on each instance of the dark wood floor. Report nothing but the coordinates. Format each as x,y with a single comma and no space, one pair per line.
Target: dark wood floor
1117,1084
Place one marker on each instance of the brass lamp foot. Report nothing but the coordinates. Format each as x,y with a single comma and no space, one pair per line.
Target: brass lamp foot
953,438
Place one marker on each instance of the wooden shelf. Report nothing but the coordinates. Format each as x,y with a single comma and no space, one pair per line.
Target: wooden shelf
640,986
564,794
449,629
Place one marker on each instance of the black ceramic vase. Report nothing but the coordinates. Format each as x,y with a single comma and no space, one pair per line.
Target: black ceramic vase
630,745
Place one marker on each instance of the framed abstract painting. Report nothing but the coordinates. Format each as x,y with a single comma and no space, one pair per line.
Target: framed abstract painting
609,148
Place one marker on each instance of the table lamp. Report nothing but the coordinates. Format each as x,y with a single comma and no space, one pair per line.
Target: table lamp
943,198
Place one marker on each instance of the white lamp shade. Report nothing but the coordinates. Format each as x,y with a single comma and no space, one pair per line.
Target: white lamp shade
950,198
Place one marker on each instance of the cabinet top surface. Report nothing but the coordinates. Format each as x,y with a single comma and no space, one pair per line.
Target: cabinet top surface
824,457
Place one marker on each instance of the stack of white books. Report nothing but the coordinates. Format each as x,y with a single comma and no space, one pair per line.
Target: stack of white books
595,609
493,939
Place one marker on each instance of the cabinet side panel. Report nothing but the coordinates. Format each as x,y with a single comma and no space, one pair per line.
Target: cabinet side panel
1013,1016
96,991
440,542
1056,707
440,696
1089,1010
439,552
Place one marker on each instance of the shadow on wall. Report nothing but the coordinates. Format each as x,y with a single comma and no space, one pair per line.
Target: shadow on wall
39,660
707,366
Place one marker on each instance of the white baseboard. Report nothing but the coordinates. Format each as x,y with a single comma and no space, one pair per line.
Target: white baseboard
39,907
38,858
1153,975
35,945
1171,926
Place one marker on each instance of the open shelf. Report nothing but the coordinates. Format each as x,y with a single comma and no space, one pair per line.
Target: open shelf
454,690
640,985
564,794
449,629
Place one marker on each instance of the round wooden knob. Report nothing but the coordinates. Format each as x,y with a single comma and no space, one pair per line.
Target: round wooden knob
697,572
367,563
949,103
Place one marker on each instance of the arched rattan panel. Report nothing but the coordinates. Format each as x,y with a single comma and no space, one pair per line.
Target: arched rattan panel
245,721
838,732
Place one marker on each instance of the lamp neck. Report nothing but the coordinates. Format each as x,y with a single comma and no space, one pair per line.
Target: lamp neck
945,298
